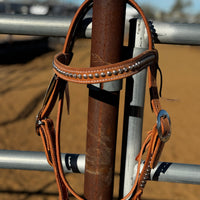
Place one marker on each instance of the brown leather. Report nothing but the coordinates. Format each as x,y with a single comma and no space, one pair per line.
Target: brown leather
156,138
104,73
47,134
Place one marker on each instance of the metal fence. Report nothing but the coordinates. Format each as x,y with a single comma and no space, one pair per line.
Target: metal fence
166,33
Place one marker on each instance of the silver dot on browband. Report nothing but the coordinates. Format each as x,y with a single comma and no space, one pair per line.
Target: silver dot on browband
143,182
103,74
125,69
79,76
130,67
96,75
120,71
146,174
134,66
75,75
148,169
146,177
137,64
90,76
85,76
141,185
115,72
109,73
71,75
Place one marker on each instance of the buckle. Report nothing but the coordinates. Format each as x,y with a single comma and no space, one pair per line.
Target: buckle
163,114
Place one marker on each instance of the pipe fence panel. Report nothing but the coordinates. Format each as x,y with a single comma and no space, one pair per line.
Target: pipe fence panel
166,33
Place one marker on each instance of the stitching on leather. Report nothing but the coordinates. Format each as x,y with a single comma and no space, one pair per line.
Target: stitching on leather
100,79
61,71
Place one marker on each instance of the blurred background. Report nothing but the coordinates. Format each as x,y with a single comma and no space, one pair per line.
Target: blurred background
171,10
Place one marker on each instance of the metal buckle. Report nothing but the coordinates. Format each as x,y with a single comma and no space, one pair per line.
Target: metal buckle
164,115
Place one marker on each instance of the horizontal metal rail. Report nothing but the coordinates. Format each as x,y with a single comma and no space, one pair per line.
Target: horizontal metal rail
176,33
176,173
33,25
30,160
75,163
165,33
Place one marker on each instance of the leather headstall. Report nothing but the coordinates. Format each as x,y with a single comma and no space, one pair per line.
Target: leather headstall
155,139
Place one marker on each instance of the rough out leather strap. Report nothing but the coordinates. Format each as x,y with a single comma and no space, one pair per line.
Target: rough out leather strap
156,138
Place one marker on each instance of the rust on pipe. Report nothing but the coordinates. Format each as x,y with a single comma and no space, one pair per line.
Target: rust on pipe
107,43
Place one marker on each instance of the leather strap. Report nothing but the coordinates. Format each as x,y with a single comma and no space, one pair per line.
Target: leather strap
104,73
156,138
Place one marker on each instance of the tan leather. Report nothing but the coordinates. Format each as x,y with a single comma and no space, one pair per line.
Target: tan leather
156,138
104,73
47,134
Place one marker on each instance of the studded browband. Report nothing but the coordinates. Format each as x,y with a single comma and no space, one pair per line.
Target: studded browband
105,73
156,138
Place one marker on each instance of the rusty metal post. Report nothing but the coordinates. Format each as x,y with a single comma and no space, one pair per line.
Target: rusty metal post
107,43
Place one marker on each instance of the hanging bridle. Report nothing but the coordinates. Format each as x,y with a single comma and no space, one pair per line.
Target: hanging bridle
63,73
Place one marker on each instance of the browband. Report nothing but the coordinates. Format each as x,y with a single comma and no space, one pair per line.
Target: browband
104,73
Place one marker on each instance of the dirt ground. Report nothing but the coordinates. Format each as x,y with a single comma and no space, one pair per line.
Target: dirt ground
22,88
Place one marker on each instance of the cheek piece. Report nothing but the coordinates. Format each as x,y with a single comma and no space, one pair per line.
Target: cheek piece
64,73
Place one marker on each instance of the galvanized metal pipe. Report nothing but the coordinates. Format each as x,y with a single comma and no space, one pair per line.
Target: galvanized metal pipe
107,43
166,33
30,160
33,25
176,33
75,163
176,173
